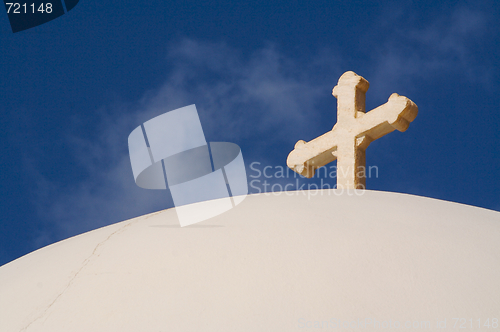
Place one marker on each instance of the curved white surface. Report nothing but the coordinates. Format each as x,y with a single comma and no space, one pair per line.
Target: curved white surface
273,263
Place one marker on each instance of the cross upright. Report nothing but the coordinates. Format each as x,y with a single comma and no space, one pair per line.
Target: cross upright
352,133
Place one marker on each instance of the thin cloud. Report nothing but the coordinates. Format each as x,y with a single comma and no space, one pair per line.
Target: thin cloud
255,101
446,44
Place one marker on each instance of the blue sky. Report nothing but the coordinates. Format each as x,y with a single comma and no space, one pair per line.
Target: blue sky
261,75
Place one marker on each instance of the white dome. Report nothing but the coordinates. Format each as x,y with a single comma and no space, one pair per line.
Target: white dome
273,263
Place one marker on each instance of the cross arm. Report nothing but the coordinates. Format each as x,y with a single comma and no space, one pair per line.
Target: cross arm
306,157
397,113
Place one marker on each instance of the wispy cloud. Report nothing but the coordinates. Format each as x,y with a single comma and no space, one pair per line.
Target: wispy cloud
415,49
257,101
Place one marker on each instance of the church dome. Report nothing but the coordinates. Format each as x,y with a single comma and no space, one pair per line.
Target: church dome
289,262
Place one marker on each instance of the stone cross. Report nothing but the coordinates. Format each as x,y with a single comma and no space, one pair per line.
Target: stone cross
352,133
